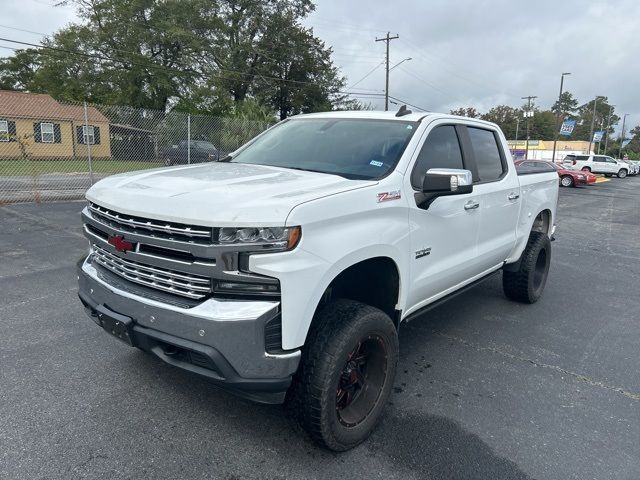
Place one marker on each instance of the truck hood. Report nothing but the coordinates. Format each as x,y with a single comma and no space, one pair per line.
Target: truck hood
217,194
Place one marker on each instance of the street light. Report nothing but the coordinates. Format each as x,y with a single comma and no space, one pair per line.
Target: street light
401,61
593,122
555,139
624,119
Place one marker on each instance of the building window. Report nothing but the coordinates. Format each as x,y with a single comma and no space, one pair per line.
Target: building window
88,135
46,132
4,131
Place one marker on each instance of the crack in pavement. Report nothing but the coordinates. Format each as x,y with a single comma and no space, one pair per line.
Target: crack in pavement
576,376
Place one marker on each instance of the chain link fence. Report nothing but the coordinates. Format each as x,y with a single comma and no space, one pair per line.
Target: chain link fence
54,150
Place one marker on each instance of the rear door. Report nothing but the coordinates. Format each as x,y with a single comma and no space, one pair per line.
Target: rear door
600,165
498,193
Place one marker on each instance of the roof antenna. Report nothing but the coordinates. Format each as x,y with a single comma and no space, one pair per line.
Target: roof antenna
403,111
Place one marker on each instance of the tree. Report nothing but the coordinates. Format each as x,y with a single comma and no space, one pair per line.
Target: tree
543,125
507,119
585,115
17,71
633,147
565,106
470,112
195,55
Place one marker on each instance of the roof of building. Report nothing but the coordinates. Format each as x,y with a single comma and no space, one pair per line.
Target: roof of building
14,104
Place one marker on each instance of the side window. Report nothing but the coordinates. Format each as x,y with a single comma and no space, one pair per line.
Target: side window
600,159
487,154
441,149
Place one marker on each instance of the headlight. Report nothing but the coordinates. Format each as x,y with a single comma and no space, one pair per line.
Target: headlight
281,238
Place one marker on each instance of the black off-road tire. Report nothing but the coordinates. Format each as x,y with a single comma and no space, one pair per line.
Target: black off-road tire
527,283
339,329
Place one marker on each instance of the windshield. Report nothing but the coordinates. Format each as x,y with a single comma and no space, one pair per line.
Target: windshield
353,148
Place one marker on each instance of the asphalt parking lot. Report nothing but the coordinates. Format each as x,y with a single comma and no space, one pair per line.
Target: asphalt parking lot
486,388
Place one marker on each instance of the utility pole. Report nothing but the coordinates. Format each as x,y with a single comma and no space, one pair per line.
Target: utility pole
386,88
593,122
606,139
601,129
624,121
555,138
528,114
515,142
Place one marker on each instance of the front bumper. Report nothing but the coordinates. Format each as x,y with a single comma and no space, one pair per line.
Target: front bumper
223,340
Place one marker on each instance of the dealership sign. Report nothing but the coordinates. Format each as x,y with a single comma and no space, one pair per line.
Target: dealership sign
567,127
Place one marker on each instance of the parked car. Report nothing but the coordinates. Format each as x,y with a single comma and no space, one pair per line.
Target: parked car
633,167
195,151
597,164
568,178
285,271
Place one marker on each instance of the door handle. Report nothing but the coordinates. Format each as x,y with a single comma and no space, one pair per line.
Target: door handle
471,205
513,196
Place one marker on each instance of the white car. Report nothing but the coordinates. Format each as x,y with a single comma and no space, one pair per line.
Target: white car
634,169
285,271
597,164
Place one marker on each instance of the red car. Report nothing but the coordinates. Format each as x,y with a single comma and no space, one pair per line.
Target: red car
568,178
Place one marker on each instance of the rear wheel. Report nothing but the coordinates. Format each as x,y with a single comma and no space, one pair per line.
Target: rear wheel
526,284
608,175
622,173
567,181
586,169
167,162
346,374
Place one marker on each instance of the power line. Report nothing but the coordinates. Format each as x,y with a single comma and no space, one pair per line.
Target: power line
23,30
367,75
423,81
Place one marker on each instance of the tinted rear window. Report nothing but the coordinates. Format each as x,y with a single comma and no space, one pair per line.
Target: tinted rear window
487,154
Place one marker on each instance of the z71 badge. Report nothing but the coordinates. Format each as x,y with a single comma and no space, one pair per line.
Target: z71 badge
387,196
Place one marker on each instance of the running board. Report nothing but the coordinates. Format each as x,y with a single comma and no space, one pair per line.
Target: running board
449,296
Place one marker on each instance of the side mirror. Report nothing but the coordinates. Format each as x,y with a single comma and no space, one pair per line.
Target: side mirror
447,181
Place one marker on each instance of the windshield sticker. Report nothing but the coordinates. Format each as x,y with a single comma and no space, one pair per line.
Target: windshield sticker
376,163
409,127
387,196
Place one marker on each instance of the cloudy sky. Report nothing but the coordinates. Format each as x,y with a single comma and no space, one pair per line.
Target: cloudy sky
463,53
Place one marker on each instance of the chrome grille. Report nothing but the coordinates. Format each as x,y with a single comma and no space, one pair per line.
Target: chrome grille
154,228
184,284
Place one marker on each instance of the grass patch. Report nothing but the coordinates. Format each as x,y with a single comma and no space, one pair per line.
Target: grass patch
11,168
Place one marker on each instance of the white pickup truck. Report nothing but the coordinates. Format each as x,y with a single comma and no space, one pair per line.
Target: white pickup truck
284,271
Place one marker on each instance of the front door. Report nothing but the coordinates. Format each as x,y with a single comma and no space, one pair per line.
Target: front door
443,235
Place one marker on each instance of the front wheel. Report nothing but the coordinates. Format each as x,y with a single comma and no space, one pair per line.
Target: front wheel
346,374
526,284
168,162
567,181
622,173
